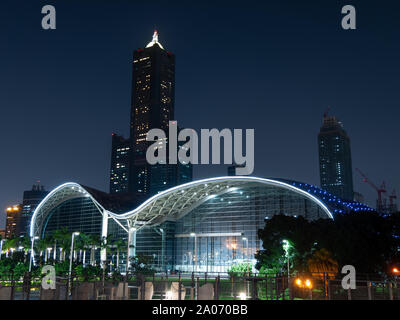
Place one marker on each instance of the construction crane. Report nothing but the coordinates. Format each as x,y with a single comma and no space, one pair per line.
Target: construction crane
381,190
392,201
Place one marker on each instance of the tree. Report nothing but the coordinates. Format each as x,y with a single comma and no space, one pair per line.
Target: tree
94,243
62,237
25,244
240,269
365,240
322,262
141,264
11,245
82,243
41,246
57,237
298,231
119,245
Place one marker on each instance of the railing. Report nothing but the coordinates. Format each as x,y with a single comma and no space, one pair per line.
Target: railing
199,286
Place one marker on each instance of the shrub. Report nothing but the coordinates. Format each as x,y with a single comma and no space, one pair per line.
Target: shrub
240,269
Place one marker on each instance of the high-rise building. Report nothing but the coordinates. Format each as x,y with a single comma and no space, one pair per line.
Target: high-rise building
152,106
13,221
119,172
335,166
30,201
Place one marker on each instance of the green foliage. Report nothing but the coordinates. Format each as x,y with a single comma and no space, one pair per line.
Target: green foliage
15,268
117,277
240,269
141,264
62,268
88,272
20,269
6,267
266,272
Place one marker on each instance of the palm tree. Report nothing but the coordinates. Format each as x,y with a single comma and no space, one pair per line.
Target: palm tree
25,244
119,245
94,242
57,237
85,241
81,246
322,262
11,245
64,241
41,246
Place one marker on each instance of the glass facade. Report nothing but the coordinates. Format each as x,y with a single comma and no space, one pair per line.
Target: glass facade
79,214
223,230
335,166
119,172
208,234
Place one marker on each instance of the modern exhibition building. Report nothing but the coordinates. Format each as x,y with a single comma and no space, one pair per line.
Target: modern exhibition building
205,225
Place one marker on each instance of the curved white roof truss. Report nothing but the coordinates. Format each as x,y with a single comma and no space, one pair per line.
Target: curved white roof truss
169,204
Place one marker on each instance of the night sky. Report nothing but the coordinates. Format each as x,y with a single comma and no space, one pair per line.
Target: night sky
239,64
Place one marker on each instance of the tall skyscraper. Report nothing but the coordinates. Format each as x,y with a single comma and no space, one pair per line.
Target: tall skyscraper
13,221
119,172
18,217
152,106
30,201
335,166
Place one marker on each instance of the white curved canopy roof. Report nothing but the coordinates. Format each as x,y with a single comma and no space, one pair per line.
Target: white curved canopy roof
173,203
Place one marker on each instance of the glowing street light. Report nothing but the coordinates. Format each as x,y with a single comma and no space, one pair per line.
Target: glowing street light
303,284
286,247
71,257
1,247
242,296
32,253
308,284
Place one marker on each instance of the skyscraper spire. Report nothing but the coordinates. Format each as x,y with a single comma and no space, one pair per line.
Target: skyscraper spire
155,36
154,40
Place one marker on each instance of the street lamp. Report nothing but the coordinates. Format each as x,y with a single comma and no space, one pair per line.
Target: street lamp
195,248
247,247
1,247
247,253
71,257
32,254
286,247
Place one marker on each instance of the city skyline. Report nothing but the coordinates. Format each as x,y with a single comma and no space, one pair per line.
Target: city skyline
320,74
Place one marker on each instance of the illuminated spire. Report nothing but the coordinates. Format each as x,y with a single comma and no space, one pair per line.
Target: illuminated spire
155,41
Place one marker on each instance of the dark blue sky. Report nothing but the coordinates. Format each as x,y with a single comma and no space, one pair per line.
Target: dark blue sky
271,66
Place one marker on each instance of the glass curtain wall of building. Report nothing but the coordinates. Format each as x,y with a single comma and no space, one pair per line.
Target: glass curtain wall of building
209,235
82,215
223,230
